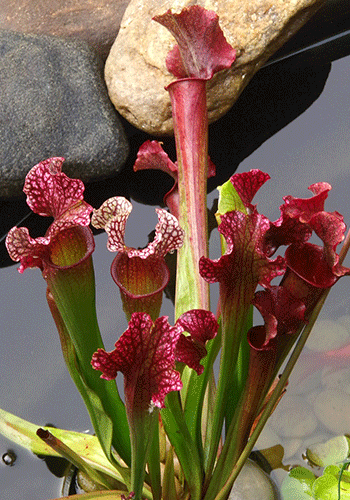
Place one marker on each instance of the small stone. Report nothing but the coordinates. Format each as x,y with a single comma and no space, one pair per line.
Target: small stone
314,439
339,379
9,458
135,69
251,480
94,21
332,408
293,418
54,103
327,335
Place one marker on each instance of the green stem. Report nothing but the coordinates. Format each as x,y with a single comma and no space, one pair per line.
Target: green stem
184,446
154,463
101,422
224,491
142,428
233,322
196,393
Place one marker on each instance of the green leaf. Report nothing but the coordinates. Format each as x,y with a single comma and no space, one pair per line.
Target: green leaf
96,495
239,375
229,200
305,476
326,487
169,489
88,447
153,461
298,484
333,451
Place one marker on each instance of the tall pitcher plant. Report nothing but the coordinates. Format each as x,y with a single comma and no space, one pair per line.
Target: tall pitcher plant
181,432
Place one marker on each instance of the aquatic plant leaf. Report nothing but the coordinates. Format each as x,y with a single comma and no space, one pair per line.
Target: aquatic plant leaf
112,217
151,156
300,216
244,235
49,191
298,484
24,434
146,354
326,486
141,283
333,451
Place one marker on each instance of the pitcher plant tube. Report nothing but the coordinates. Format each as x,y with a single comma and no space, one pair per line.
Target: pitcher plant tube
181,431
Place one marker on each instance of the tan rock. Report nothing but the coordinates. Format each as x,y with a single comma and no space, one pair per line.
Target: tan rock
135,69
94,21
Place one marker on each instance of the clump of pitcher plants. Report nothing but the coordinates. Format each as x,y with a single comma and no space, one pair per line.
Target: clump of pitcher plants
180,432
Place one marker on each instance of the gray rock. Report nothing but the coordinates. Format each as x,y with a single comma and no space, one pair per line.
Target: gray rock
94,21
53,102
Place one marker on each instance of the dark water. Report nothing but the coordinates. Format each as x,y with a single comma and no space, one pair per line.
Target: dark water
34,381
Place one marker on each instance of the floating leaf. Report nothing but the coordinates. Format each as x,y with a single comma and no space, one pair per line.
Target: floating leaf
298,484
326,487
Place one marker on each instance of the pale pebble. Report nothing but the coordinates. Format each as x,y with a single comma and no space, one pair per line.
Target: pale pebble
327,335
250,481
293,418
332,408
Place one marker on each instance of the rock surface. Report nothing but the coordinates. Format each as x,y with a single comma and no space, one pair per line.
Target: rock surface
135,69
94,21
54,103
